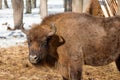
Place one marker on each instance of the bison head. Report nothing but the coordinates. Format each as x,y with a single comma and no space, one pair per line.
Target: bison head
38,42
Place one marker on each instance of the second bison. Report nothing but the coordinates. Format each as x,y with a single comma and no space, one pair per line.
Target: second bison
70,40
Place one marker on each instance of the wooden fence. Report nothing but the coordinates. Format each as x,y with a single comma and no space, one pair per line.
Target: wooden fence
109,7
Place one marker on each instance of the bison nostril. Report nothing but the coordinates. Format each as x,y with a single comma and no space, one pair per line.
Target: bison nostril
36,57
33,58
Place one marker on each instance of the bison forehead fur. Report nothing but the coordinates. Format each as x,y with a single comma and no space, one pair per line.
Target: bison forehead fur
86,40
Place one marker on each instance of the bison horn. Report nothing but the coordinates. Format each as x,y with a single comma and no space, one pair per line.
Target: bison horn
53,28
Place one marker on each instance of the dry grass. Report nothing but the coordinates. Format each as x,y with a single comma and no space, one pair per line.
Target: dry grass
14,65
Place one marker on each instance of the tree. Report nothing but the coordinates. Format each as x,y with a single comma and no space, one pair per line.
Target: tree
43,8
67,5
77,5
28,6
87,5
33,3
6,4
18,6
0,4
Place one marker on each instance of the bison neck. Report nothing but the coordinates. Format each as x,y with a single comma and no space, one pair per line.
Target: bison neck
51,61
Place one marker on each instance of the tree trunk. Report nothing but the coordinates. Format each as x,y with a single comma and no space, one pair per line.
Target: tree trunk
18,6
77,6
43,8
0,4
28,6
67,5
6,4
118,11
33,3
87,6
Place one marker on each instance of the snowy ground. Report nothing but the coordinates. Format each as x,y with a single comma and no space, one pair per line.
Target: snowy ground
10,38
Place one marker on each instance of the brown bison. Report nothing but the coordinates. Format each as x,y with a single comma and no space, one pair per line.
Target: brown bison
70,40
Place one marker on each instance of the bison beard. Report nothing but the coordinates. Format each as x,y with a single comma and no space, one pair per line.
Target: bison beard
75,39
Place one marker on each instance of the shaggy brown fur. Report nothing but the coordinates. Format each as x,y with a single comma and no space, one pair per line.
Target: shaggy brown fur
80,39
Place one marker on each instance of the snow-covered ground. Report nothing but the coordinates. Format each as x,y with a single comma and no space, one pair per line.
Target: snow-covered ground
11,38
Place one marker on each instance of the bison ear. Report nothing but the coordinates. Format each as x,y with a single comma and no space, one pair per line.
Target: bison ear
23,29
53,30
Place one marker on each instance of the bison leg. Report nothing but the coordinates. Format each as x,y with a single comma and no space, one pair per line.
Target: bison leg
63,69
75,74
76,68
71,73
118,63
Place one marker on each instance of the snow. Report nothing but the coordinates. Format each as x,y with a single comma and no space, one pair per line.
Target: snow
16,37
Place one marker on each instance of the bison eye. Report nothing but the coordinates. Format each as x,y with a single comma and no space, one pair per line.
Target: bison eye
44,44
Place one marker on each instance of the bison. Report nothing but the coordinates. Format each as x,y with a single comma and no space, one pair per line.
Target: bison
70,40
